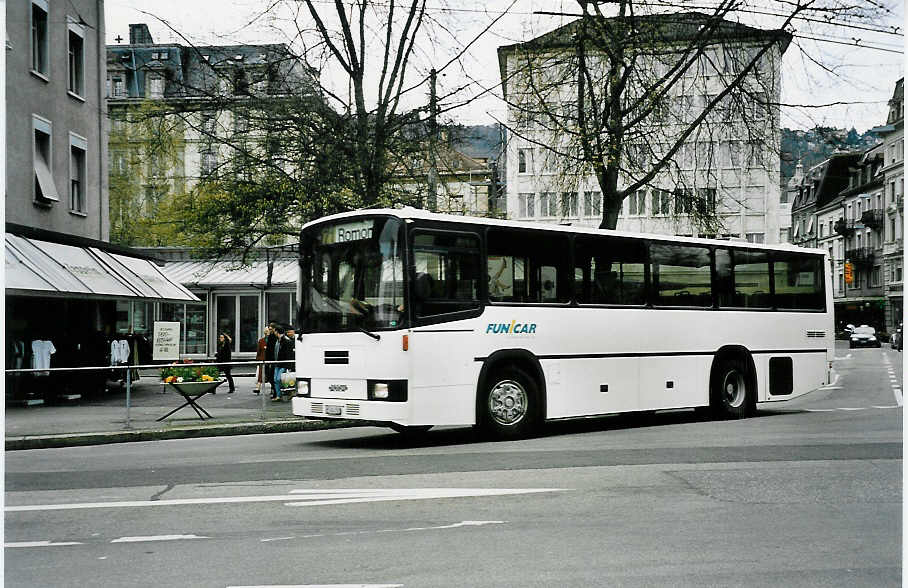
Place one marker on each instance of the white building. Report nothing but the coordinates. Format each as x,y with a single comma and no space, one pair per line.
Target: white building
720,165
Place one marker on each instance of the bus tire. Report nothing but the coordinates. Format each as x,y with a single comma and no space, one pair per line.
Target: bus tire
410,430
732,392
510,404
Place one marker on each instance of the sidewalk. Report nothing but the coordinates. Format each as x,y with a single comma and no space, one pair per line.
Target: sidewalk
101,418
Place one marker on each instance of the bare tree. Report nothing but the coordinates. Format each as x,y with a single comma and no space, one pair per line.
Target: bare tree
661,101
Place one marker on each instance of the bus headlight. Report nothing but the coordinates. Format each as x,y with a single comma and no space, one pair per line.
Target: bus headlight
387,390
380,391
302,387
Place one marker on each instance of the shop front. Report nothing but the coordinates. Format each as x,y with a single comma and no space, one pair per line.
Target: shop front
236,300
77,302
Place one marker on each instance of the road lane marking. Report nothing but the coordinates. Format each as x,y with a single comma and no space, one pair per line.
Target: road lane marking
266,540
320,586
305,497
157,538
40,543
848,408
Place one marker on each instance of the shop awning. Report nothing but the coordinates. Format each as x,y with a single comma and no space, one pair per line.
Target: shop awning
208,274
44,268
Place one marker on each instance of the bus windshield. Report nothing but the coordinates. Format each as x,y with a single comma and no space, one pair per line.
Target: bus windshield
353,276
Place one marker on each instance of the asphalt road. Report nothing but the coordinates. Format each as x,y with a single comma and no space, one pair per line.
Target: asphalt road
808,493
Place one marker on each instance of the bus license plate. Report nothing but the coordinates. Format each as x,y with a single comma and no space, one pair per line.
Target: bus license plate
333,410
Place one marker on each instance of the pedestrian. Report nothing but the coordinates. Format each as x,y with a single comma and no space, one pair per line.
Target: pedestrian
286,351
271,354
223,355
260,356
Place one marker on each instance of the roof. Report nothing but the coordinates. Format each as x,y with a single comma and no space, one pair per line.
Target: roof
202,273
409,212
825,181
192,71
668,29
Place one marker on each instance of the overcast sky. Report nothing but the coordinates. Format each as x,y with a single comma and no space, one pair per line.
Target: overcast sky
862,77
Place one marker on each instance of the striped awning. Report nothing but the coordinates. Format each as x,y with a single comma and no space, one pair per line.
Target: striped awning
44,268
214,274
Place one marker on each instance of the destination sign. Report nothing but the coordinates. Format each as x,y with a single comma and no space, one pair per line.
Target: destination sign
357,231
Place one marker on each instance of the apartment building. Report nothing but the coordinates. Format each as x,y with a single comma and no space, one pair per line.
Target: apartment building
893,135
64,282
722,166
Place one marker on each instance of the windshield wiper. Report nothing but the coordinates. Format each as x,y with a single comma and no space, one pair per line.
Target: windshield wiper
375,336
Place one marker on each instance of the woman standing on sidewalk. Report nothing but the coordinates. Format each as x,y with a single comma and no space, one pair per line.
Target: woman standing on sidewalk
224,355
260,356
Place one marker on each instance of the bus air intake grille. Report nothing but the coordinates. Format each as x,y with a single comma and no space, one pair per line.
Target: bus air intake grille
337,357
816,334
317,407
353,409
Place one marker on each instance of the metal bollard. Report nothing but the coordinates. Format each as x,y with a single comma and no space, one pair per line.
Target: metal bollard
128,390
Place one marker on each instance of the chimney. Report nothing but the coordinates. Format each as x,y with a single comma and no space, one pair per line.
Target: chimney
140,35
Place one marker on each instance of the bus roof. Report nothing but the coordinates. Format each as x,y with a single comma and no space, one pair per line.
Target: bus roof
409,212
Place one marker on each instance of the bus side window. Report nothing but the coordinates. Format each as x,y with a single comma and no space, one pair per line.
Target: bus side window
681,275
528,266
614,271
447,272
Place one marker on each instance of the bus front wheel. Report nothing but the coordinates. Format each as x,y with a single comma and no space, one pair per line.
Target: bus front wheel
510,406
731,390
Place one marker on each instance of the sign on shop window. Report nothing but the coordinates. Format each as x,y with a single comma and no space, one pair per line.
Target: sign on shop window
166,342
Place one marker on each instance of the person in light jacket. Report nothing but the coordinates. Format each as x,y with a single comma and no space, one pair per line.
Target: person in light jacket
223,355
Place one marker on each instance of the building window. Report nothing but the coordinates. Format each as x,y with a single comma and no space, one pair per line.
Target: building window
527,205
78,146
875,276
280,307
524,161
40,40
238,316
76,83
661,202
755,237
116,87
592,204
569,205
45,190
156,87
548,204
209,162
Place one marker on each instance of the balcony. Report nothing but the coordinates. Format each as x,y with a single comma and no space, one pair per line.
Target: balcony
873,219
862,257
843,227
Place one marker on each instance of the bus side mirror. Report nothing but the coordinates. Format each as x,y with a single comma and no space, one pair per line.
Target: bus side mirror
422,286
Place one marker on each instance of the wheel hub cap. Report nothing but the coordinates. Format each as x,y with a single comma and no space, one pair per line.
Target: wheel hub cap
508,402
735,388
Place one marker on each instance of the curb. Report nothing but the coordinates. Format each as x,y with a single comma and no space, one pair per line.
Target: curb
128,436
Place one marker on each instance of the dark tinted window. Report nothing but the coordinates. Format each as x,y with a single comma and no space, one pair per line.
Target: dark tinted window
447,272
681,275
528,266
609,270
742,278
799,281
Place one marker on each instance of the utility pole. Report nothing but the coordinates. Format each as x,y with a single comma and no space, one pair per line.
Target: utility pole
432,203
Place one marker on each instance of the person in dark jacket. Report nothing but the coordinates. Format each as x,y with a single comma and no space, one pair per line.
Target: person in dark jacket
224,355
271,355
286,351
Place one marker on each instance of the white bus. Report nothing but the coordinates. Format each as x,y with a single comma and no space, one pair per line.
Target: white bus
415,319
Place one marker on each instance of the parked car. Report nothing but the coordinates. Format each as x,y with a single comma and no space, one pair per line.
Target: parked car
864,336
896,339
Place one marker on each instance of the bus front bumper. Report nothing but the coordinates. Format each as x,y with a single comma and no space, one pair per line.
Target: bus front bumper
339,408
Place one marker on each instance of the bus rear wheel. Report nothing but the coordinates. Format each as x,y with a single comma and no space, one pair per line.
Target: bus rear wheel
732,394
510,406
